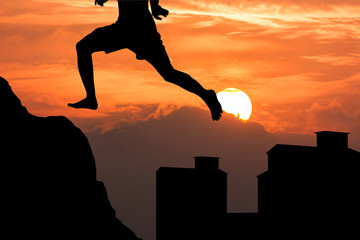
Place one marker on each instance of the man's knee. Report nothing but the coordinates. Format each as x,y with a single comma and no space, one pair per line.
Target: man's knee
83,47
80,46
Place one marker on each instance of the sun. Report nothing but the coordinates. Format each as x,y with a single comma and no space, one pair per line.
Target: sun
236,102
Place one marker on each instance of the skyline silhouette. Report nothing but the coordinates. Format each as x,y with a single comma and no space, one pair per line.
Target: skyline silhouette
305,191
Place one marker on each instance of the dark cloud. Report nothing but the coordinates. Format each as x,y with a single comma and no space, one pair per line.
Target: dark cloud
124,115
331,116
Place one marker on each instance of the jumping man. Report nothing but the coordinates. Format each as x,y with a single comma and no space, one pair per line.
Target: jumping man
135,30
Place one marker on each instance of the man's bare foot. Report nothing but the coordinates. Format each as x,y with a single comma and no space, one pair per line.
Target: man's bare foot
85,103
213,104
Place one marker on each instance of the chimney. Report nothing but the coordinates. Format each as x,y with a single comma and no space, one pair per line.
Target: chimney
332,140
206,163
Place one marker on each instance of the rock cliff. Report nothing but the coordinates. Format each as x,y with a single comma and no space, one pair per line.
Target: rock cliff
49,186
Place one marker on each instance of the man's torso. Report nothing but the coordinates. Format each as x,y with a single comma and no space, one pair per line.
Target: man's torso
134,8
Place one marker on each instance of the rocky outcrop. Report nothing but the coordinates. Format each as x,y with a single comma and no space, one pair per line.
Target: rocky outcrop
49,186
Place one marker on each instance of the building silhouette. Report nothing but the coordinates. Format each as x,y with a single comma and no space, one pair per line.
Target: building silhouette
306,191
190,202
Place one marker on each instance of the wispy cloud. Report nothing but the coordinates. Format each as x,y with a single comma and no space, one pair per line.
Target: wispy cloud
336,60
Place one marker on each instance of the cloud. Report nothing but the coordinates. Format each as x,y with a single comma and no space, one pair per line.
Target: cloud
58,13
335,60
124,115
332,116
256,10
303,118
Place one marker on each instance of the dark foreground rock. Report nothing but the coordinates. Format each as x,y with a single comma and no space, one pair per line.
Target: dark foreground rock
49,188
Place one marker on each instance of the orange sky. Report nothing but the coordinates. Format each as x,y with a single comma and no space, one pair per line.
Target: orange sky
297,60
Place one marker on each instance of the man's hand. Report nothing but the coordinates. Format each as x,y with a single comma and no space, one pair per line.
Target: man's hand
159,11
100,2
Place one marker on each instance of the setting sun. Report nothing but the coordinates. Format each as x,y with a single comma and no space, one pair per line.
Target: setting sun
236,102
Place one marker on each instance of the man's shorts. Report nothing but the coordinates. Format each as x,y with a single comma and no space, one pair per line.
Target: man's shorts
144,41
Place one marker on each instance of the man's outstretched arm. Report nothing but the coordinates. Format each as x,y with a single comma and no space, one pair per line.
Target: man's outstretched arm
157,10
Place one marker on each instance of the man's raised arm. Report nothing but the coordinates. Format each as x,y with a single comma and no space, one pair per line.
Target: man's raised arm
100,2
157,10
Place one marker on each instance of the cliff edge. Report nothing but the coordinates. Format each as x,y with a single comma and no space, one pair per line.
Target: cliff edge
49,186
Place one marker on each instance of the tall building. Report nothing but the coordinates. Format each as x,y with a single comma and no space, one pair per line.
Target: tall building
306,185
307,191
190,201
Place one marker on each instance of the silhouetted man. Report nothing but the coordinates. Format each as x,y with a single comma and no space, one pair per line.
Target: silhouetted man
135,29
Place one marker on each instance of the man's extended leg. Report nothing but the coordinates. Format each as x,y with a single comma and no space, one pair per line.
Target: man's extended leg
162,64
85,66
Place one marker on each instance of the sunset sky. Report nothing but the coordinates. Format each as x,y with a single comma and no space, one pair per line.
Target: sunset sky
297,60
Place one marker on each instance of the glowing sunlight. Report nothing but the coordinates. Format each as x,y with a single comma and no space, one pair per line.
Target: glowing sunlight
236,102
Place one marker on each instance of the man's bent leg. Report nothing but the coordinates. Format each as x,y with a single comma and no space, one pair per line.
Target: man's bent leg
162,64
